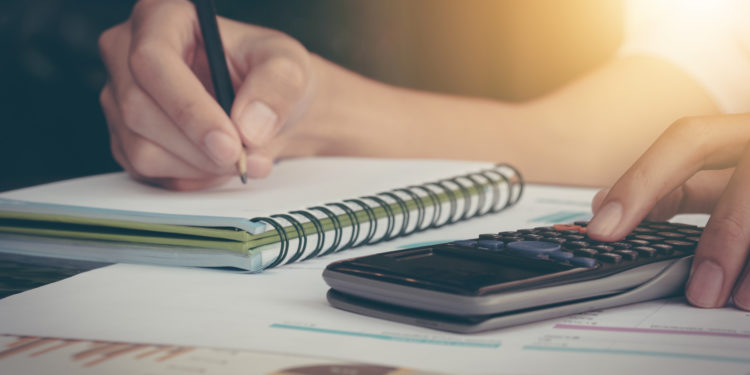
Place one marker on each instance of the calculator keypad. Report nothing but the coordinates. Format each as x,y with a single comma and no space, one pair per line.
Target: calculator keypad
569,244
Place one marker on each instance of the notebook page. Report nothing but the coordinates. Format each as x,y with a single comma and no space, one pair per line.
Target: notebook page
293,184
116,200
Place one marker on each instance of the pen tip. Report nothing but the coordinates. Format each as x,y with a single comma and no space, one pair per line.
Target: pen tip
242,166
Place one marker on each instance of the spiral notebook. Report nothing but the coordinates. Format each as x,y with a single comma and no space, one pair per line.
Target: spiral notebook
306,208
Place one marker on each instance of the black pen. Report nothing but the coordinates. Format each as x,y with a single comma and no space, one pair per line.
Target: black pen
218,64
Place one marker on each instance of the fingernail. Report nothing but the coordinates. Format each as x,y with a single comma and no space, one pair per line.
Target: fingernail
256,122
705,283
606,220
742,294
221,147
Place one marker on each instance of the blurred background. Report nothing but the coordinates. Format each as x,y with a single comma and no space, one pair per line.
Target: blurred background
51,74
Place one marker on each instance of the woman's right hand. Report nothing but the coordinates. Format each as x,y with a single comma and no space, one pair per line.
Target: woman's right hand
165,126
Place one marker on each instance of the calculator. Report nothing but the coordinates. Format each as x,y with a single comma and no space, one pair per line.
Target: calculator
508,278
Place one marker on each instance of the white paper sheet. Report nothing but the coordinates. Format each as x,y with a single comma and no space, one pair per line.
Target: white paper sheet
325,180
285,311
49,355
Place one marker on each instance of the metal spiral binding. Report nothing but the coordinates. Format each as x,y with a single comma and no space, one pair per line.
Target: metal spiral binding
352,219
496,178
372,219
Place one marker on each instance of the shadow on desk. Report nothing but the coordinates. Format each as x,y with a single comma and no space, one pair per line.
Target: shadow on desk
19,273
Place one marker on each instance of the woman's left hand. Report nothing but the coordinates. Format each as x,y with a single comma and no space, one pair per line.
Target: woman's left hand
699,164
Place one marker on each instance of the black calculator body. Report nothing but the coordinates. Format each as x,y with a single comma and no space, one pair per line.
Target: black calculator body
508,278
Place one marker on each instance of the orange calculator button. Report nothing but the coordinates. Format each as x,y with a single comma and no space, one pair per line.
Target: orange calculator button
564,227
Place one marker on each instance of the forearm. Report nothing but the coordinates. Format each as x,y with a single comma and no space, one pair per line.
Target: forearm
585,133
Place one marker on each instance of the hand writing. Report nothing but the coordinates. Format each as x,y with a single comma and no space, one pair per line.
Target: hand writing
165,126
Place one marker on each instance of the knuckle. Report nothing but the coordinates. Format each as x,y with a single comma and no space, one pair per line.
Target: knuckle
693,134
726,229
106,39
689,126
689,131
288,74
141,60
640,181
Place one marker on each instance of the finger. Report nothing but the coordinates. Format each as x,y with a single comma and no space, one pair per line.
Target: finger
179,184
598,199
684,148
143,117
164,35
259,163
141,157
722,252
137,111
699,194
277,80
111,115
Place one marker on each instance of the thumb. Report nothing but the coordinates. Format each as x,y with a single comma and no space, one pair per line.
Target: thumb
273,92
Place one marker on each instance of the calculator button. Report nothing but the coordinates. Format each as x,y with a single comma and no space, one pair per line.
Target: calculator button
575,244
660,227
585,252
507,239
620,245
491,244
544,229
649,237
643,230
583,261
532,248
569,227
532,237
557,240
673,235
609,257
603,248
468,243
490,236
690,231
645,251
680,244
574,237
663,249
639,242
560,255
628,255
